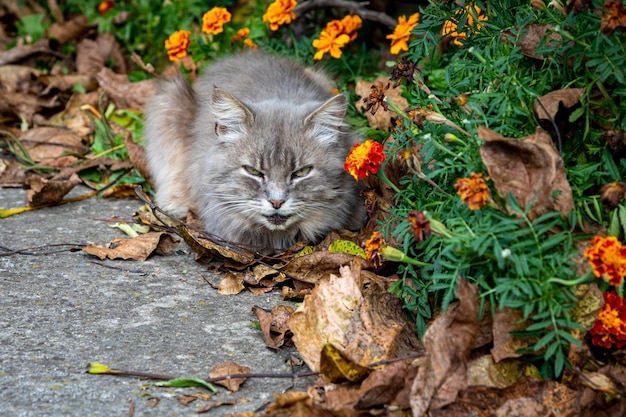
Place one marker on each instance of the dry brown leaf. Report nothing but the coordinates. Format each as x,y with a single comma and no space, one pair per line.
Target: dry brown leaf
91,55
527,398
68,30
484,371
51,142
66,82
325,315
229,368
138,248
382,119
11,174
531,169
125,94
137,156
505,321
317,265
530,40
48,192
448,342
555,101
294,404
274,324
379,330
24,105
230,284
16,78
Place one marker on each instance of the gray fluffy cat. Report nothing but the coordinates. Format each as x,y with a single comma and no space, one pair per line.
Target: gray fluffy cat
257,150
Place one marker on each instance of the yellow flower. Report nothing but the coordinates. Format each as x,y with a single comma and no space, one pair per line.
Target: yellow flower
99,368
250,43
450,27
331,43
402,33
607,257
280,13
364,158
473,190
241,33
177,44
213,21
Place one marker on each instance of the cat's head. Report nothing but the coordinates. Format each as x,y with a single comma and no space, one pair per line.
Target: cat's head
277,168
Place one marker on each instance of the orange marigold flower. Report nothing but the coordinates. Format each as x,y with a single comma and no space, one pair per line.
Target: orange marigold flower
105,6
280,13
177,44
364,158
450,26
241,33
213,21
615,18
351,23
373,247
607,257
402,33
420,225
331,43
250,43
473,190
610,327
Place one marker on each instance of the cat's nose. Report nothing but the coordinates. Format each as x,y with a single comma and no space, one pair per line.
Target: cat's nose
277,203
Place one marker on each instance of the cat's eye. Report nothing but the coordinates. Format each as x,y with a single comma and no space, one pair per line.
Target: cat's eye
302,172
253,171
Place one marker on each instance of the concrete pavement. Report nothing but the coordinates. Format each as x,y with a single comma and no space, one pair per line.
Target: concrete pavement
61,311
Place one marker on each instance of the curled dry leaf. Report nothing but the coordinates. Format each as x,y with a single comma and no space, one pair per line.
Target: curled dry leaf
91,55
137,156
66,82
68,30
557,106
49,192
138,248
448,342
125,94
325,315
229,368
274,324
317,265
24,105
531,169
230,284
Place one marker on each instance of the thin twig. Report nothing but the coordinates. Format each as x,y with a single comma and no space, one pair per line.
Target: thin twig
37,250
352,6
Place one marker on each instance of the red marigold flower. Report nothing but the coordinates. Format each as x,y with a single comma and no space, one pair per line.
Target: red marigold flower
364,158
473,190
610,327
177,44
420,225
280,13
607,257
105,6
373,247
213,21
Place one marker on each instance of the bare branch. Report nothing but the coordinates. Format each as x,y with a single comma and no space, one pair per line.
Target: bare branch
352,6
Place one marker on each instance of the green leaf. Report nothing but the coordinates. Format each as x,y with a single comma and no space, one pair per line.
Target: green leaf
185,382
346,246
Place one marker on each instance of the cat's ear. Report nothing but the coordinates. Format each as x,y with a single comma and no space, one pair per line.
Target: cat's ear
232,117
326,122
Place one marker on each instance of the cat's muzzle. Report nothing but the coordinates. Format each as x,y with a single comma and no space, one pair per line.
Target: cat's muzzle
277,219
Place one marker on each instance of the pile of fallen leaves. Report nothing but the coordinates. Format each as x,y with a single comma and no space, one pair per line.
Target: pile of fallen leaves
349,328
